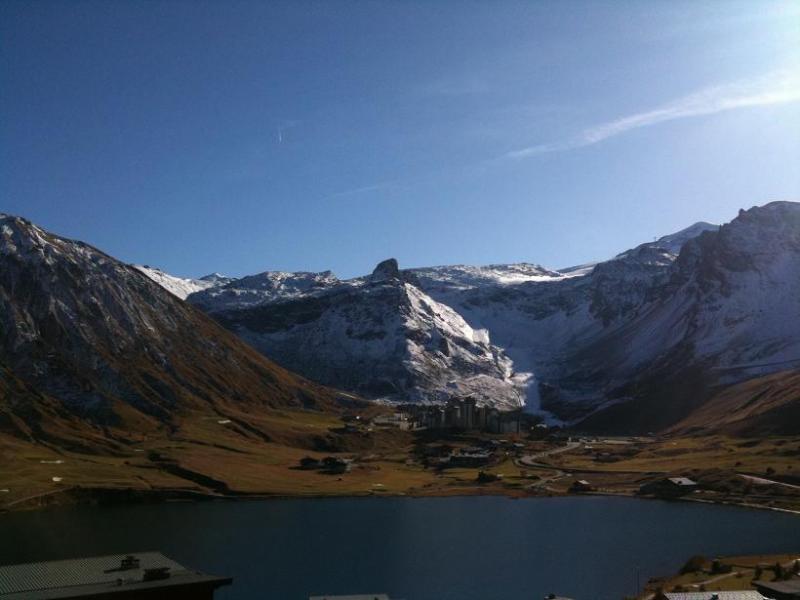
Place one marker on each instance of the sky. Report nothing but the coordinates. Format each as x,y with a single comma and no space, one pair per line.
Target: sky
240,137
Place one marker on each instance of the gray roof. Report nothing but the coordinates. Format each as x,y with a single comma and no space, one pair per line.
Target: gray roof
790,586
96,575
355,597
734,595
682,481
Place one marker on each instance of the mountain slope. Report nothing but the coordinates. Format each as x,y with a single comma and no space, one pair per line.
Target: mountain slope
85,337
636,342
181,286
729,311
544,322
768,405
378,335
259,289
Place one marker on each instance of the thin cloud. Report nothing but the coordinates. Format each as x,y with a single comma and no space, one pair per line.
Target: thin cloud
359,190
781,87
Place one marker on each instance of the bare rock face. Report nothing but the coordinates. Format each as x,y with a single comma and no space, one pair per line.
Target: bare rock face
386,270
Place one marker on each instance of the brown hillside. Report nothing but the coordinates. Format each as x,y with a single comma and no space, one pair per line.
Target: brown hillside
768,405
91,349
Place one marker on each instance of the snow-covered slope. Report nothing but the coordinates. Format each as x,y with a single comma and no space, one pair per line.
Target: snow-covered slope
259,289
463,277
424,334
661,323
180,286
674,242
378,335
651,322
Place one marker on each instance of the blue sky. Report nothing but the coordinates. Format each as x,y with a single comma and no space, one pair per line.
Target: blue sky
249,136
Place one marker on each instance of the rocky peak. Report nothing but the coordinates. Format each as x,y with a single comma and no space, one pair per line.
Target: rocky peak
386,270
217,278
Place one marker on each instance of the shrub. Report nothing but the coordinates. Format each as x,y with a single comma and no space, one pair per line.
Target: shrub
486,477
694,564
307,462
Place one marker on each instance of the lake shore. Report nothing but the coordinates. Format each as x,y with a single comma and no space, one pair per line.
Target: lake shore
121,496
207,460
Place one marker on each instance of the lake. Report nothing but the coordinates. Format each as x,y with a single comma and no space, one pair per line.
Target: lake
465,548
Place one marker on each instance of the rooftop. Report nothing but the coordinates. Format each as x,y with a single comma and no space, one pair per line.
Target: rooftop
100,575
789,587
354,597
682,481
734,595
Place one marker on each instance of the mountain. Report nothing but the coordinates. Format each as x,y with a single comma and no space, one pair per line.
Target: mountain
547,323
253,290
375,335
379,335
634,343
464,277
180,286
90,344
642,339
729,311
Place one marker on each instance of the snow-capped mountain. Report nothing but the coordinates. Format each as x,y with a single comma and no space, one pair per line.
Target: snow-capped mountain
181,286
649,332
379,335
376,335
668,320
263,288
427,334
464,277
85,335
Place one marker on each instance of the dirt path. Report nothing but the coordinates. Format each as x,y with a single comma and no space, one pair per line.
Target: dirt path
530,460
763,481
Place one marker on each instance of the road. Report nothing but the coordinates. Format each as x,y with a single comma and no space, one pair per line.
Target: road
530,460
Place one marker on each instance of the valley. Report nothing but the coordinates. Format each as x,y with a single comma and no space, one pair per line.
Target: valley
114,388
211,458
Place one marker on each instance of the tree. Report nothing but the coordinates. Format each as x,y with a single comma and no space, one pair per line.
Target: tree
694,564
486,477
307,462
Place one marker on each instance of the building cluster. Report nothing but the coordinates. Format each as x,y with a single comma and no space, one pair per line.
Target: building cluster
466,414
467,458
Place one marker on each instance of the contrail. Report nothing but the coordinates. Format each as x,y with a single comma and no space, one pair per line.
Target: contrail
779,87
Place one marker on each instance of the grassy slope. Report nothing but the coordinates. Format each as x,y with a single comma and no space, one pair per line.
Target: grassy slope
205,455
768,405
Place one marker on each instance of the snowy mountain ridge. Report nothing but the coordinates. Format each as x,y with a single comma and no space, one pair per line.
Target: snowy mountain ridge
708,305
182,286
378,335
